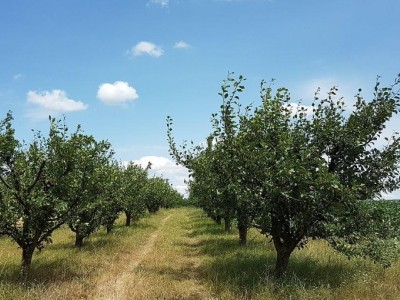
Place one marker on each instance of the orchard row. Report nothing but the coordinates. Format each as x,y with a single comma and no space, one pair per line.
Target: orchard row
69,178
297,172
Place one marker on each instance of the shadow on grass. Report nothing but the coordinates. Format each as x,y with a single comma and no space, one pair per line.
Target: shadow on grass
207,229
200,225
122,228
101,239
178,275
39,274
249,268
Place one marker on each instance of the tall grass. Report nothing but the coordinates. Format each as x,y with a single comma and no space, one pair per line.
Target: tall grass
61,270
316,272
181,254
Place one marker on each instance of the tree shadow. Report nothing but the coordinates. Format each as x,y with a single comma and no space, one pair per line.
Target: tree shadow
249,268
311,272
40,273
181,274
100,239
120,228
207,229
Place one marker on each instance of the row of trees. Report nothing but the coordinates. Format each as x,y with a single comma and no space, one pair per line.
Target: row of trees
69,178
296,172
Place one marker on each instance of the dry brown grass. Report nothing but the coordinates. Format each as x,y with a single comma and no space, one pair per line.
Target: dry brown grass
147,261
180,254
167,267
63,272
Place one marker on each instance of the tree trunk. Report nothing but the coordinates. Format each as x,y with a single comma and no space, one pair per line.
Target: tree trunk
128,218
27,253
228,225
109,228
283,253
79,240
218,220
242,235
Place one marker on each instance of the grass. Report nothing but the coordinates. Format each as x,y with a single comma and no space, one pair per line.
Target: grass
316,272
180,254
61,270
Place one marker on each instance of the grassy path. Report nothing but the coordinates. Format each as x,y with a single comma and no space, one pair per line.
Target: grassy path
153,259
181,254
163,268
117,287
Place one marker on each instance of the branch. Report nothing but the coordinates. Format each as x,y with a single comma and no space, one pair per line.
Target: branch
5,183
47,232
14,192
5,232
38,175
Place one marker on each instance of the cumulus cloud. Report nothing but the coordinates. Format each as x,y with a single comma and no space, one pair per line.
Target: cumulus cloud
148,48
166,168
346,88
297,108
55,101
116,93
181,45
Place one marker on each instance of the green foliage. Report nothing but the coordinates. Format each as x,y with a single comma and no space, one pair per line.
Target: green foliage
96,170
43,184
215,169
64,178
134,180
157,193
294,172
374,233
113,196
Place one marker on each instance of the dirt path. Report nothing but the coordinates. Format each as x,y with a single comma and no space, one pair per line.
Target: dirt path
117,289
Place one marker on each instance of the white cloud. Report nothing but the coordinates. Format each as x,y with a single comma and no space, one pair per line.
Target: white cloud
55,101
17,76
346,89
147,48
181,45
393,195
296,107
116,93
163,3
162,166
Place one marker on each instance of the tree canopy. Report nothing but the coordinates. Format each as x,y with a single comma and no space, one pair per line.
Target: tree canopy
67,178
295,172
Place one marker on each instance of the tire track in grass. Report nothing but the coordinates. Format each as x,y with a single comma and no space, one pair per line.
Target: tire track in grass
116,289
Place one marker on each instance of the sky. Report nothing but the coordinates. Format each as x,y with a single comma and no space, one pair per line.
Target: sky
120,67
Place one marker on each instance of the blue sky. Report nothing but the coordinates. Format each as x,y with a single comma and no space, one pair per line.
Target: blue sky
119,68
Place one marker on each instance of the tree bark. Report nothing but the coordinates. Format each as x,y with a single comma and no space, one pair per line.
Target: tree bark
27,253
79,240
128,218
228,225
283,253
242,234
218,220
109,229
